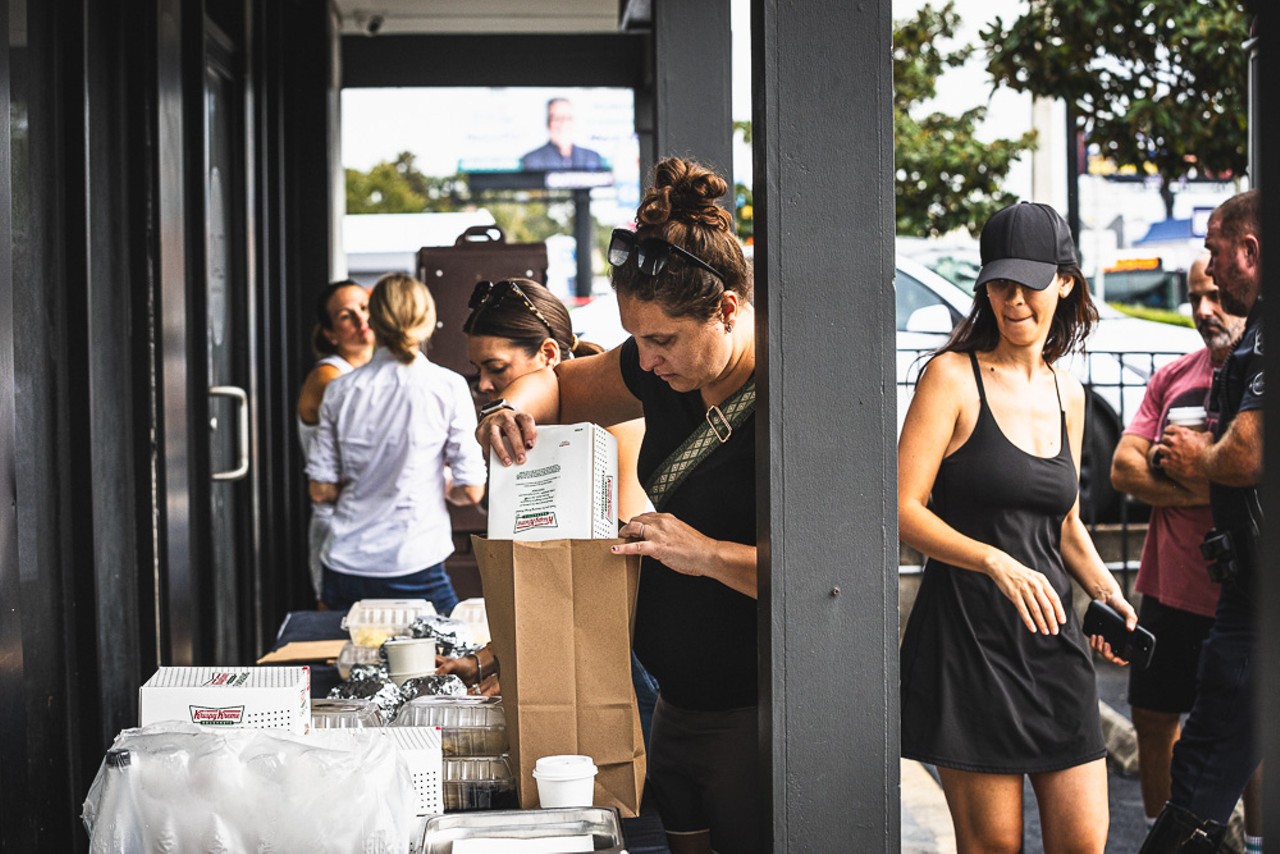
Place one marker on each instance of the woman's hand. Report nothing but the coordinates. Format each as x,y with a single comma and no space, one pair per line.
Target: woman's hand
465,669
1030,592
509,433
1114,598
666,539
682,549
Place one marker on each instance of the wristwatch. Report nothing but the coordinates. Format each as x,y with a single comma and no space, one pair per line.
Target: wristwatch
495,405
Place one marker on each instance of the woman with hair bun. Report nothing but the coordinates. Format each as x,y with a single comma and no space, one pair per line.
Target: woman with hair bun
388,431
684,294
341,341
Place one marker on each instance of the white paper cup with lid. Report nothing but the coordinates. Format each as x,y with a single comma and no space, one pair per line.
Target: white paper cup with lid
408,658
1191,417
565,780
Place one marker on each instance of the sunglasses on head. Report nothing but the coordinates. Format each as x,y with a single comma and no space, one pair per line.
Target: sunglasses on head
651,253
491,295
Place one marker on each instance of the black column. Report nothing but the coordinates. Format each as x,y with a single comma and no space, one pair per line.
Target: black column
826,477
692,68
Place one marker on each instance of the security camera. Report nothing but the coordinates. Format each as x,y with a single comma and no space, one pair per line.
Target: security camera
375,25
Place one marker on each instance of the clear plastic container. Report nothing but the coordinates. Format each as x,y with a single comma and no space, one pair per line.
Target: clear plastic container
351,655
344,714
371,621
469,726
479,783
473,613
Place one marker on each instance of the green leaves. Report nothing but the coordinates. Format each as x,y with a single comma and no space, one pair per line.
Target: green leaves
1160,82
945,177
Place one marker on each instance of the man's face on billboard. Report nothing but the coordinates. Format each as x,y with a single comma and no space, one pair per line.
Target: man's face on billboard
560,124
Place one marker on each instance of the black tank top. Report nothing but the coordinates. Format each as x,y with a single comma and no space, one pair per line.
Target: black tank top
979,691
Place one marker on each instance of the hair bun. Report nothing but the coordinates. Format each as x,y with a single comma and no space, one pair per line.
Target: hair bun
686,191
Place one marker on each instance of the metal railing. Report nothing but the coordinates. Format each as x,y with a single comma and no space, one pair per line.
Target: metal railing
1114,382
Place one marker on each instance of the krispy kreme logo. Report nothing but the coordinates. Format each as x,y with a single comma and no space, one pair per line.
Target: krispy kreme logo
535,520
213,716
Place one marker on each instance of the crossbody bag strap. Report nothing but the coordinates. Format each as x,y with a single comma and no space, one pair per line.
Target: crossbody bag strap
714,431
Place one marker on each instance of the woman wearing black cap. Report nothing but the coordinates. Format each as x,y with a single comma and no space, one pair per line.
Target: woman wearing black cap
997,677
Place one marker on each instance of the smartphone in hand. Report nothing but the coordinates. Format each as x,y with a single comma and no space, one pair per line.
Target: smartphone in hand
1135,647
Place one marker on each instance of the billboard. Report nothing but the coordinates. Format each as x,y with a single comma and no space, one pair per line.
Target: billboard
562,138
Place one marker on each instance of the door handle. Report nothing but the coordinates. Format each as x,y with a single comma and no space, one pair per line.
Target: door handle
242,410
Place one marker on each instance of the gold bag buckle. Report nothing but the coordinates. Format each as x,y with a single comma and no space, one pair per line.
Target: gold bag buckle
715,428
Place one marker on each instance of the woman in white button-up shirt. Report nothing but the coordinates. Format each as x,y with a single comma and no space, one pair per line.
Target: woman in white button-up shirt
395,442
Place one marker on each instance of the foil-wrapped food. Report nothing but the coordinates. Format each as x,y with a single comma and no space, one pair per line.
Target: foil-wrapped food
452,637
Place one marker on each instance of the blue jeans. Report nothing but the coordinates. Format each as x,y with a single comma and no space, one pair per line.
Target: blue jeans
1219,748
646,696
341,590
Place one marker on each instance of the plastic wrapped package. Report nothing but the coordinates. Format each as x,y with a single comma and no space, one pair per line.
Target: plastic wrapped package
469,726
190,788
344,714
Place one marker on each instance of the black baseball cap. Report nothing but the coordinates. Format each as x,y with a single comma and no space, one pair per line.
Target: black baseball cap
1025,243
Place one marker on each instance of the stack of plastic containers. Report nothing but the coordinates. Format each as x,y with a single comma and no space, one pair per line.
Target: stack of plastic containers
473,736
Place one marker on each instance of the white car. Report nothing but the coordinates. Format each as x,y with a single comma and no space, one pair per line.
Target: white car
1122,353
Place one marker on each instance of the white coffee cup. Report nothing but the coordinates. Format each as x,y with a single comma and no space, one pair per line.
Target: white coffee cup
1191,417
565,781
408,658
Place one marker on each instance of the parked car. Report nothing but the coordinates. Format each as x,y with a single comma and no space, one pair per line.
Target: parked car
1123,352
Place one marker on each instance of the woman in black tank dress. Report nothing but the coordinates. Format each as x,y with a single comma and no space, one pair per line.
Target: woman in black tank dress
997,677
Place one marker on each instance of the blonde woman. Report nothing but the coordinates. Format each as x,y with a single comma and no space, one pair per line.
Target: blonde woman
394,444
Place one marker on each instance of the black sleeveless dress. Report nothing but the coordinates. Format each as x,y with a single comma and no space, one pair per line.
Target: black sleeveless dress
979,691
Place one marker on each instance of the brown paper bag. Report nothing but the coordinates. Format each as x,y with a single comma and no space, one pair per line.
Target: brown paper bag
560,613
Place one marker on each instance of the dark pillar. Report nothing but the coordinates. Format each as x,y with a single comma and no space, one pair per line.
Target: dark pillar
692,68
826,479
582,235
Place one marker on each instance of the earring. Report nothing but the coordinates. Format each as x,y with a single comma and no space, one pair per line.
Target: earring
728,326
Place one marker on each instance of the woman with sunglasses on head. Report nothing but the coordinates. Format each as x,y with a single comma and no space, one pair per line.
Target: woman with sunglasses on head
342,341
997,675
388,432
518,326
515,327
684,294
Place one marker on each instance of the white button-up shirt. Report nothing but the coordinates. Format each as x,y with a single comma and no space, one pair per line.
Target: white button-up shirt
387,433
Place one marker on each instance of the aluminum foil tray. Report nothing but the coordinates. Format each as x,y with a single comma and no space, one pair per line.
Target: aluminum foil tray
440,832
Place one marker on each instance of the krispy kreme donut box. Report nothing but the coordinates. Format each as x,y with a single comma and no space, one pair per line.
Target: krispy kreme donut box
253,697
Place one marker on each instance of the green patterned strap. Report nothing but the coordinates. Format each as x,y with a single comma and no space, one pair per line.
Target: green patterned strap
715,430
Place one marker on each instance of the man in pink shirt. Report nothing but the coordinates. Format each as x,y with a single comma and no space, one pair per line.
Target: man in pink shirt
1178,598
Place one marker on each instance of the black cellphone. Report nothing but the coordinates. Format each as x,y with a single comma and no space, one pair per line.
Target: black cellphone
1135,647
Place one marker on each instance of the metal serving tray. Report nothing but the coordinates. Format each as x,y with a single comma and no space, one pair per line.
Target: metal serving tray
440,832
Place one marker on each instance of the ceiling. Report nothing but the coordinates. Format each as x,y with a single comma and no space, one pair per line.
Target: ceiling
376,17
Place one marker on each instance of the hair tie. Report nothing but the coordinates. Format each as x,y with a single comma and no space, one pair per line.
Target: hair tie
573,344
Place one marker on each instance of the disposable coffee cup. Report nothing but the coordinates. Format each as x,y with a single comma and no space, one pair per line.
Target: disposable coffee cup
565,781
1191,417
408,658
